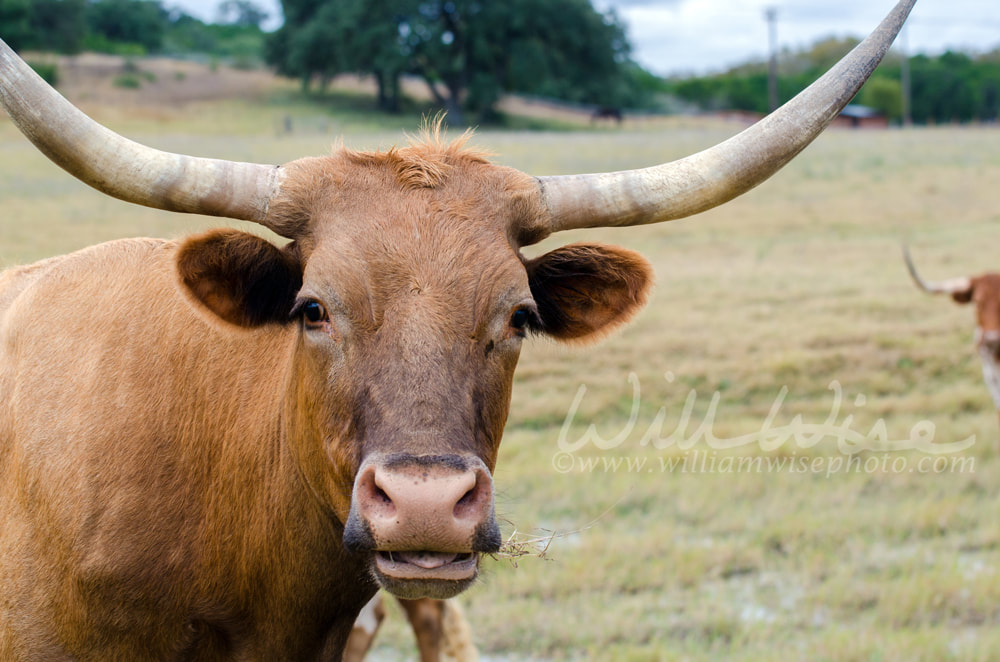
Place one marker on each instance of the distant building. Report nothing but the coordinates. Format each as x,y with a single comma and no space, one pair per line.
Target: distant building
854,116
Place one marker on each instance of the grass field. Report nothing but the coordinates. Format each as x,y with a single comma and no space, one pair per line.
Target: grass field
792,307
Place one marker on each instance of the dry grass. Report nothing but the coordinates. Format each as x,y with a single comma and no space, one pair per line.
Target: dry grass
792,286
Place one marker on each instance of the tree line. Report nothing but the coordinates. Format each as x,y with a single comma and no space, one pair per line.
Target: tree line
952,87
469,53
129,27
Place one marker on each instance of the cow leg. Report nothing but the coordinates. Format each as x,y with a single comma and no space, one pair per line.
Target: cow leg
426,617
457,644
365,627
442,633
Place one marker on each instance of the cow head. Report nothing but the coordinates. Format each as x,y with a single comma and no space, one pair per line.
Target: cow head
408,294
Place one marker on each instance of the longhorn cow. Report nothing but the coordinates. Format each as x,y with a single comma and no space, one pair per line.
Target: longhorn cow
219,448
984,291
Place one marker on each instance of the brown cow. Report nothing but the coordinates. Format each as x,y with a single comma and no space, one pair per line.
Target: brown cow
218,448
442,633
984,290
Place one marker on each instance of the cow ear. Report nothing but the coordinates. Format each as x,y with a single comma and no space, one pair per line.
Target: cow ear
963,296
242,278
585,291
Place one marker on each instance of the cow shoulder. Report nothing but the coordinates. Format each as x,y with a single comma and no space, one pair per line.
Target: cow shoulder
54,281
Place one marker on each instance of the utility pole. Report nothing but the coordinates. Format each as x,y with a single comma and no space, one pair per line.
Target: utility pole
771,15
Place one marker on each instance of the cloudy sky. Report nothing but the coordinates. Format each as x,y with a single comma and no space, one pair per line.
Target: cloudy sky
700,36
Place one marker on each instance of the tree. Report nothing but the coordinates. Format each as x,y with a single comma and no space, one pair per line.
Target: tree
321,39
242,13
15,23
884,95
468,52
952,87
141,22
58,25
941,88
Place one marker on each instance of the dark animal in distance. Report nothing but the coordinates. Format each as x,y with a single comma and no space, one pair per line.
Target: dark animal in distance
607,113
219,448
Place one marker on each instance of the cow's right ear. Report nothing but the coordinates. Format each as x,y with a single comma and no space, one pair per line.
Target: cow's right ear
242,278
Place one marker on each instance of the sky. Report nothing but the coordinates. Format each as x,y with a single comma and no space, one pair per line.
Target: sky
704,36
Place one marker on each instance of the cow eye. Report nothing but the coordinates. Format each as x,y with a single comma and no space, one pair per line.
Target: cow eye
519,319
314,312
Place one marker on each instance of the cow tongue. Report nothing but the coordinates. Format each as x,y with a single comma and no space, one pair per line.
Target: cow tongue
426,560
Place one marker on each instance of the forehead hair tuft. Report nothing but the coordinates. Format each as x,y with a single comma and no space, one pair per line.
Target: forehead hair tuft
424,163
427,158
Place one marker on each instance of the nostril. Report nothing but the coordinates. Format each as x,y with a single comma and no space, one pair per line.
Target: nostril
474,500
467,498
374,498
380,495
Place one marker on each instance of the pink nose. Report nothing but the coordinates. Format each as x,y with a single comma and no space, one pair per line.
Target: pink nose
439,504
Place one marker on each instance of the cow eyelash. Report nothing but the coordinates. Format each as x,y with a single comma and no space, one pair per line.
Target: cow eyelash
312,312
522,319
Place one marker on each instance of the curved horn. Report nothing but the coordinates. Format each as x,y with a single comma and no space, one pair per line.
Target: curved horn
125,169
709,178
950,286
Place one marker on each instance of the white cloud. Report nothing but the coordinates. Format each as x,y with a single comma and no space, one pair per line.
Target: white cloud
709,35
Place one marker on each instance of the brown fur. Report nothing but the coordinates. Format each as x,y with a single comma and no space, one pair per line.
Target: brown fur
985,291
177,455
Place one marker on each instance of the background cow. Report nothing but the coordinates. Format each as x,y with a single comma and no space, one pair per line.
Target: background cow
442,633
219,448
984,291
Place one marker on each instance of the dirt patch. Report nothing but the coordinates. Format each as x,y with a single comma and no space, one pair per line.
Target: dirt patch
93,79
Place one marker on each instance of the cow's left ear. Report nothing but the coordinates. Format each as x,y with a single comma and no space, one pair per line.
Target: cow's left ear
585,291
242,278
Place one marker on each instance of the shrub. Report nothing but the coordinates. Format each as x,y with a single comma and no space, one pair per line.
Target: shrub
49,71
128,81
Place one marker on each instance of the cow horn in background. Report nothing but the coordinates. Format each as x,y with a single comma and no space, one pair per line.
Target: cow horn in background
950,286
709,178
125,169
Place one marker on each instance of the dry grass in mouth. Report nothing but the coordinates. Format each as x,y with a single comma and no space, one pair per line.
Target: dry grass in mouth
519,545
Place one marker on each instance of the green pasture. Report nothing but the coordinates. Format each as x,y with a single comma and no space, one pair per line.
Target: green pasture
876,536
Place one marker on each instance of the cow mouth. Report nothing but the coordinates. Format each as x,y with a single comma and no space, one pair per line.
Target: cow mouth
425,574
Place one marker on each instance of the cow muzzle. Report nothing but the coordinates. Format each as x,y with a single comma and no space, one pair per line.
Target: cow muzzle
425,519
